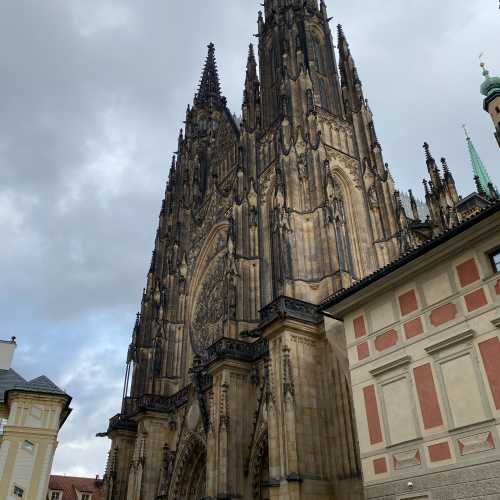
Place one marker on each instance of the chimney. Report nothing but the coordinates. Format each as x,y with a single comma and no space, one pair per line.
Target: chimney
7,348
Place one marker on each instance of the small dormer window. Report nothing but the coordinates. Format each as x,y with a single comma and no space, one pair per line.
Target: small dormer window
86,496
56,495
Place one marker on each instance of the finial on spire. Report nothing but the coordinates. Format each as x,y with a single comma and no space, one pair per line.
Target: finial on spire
209,88
251,55
445,166
427,149
340,32
483,65
466,131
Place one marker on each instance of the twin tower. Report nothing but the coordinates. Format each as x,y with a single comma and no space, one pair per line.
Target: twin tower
233,388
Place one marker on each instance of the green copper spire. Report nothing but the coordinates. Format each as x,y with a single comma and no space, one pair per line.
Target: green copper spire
480,172
490,84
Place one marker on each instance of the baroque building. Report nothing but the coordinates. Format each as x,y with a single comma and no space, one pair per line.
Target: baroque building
234,386
31,415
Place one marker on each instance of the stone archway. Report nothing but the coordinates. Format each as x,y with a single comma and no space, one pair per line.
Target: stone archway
189,479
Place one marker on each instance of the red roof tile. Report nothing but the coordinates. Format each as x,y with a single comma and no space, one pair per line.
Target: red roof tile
70,486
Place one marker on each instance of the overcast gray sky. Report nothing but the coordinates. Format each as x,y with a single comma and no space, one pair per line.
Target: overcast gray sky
92,95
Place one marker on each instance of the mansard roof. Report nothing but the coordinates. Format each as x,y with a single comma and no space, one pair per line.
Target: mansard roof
9,379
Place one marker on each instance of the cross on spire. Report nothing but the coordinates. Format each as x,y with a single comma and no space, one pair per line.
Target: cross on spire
209,89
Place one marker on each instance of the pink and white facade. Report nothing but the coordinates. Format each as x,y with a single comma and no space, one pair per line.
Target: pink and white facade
423,338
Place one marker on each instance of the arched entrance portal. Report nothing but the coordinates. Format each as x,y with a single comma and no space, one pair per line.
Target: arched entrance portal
189,480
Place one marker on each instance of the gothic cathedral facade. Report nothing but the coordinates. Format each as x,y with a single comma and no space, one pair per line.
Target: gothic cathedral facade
234,389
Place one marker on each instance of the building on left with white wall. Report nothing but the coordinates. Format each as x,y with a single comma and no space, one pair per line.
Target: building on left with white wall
31,415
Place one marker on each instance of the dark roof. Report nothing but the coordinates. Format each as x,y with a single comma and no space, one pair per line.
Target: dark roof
43,384
413,254
69,486
8,380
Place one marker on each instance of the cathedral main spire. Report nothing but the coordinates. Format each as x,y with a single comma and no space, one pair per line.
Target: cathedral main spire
209,91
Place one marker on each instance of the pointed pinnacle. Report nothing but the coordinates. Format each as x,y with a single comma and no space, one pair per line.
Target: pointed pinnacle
209,88
445,166
428,155
251,65
251,55
479,186
340,31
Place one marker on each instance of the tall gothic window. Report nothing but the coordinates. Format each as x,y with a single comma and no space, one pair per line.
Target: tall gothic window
325,101
318,55
158,358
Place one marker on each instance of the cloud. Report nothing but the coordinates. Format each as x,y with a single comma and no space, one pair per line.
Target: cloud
93,95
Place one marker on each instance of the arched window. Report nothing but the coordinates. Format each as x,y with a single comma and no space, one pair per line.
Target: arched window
158,357
325,101
318,55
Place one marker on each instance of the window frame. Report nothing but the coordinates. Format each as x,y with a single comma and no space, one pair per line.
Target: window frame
28,446
57,497
491,257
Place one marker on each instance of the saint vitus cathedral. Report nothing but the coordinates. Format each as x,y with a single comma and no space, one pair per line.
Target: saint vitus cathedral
234,387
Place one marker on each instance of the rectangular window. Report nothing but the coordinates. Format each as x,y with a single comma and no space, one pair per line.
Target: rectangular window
28,445
18,492
495,260
86,496
56,495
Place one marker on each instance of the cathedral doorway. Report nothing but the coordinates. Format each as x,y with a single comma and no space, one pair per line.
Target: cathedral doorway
189,482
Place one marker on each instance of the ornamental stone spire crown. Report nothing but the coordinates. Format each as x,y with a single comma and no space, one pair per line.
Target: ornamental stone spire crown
209,91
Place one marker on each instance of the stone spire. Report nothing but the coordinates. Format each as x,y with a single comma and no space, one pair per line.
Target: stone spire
251,93
481,175
209,91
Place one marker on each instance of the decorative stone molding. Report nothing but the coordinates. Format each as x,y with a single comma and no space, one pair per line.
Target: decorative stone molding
476,443
391,365
122,422
406,459
238,350
286,307
451,341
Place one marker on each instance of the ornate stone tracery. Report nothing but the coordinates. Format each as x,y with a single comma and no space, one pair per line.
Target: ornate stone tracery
208,317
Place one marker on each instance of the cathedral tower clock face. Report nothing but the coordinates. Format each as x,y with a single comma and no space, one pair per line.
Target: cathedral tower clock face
208,313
